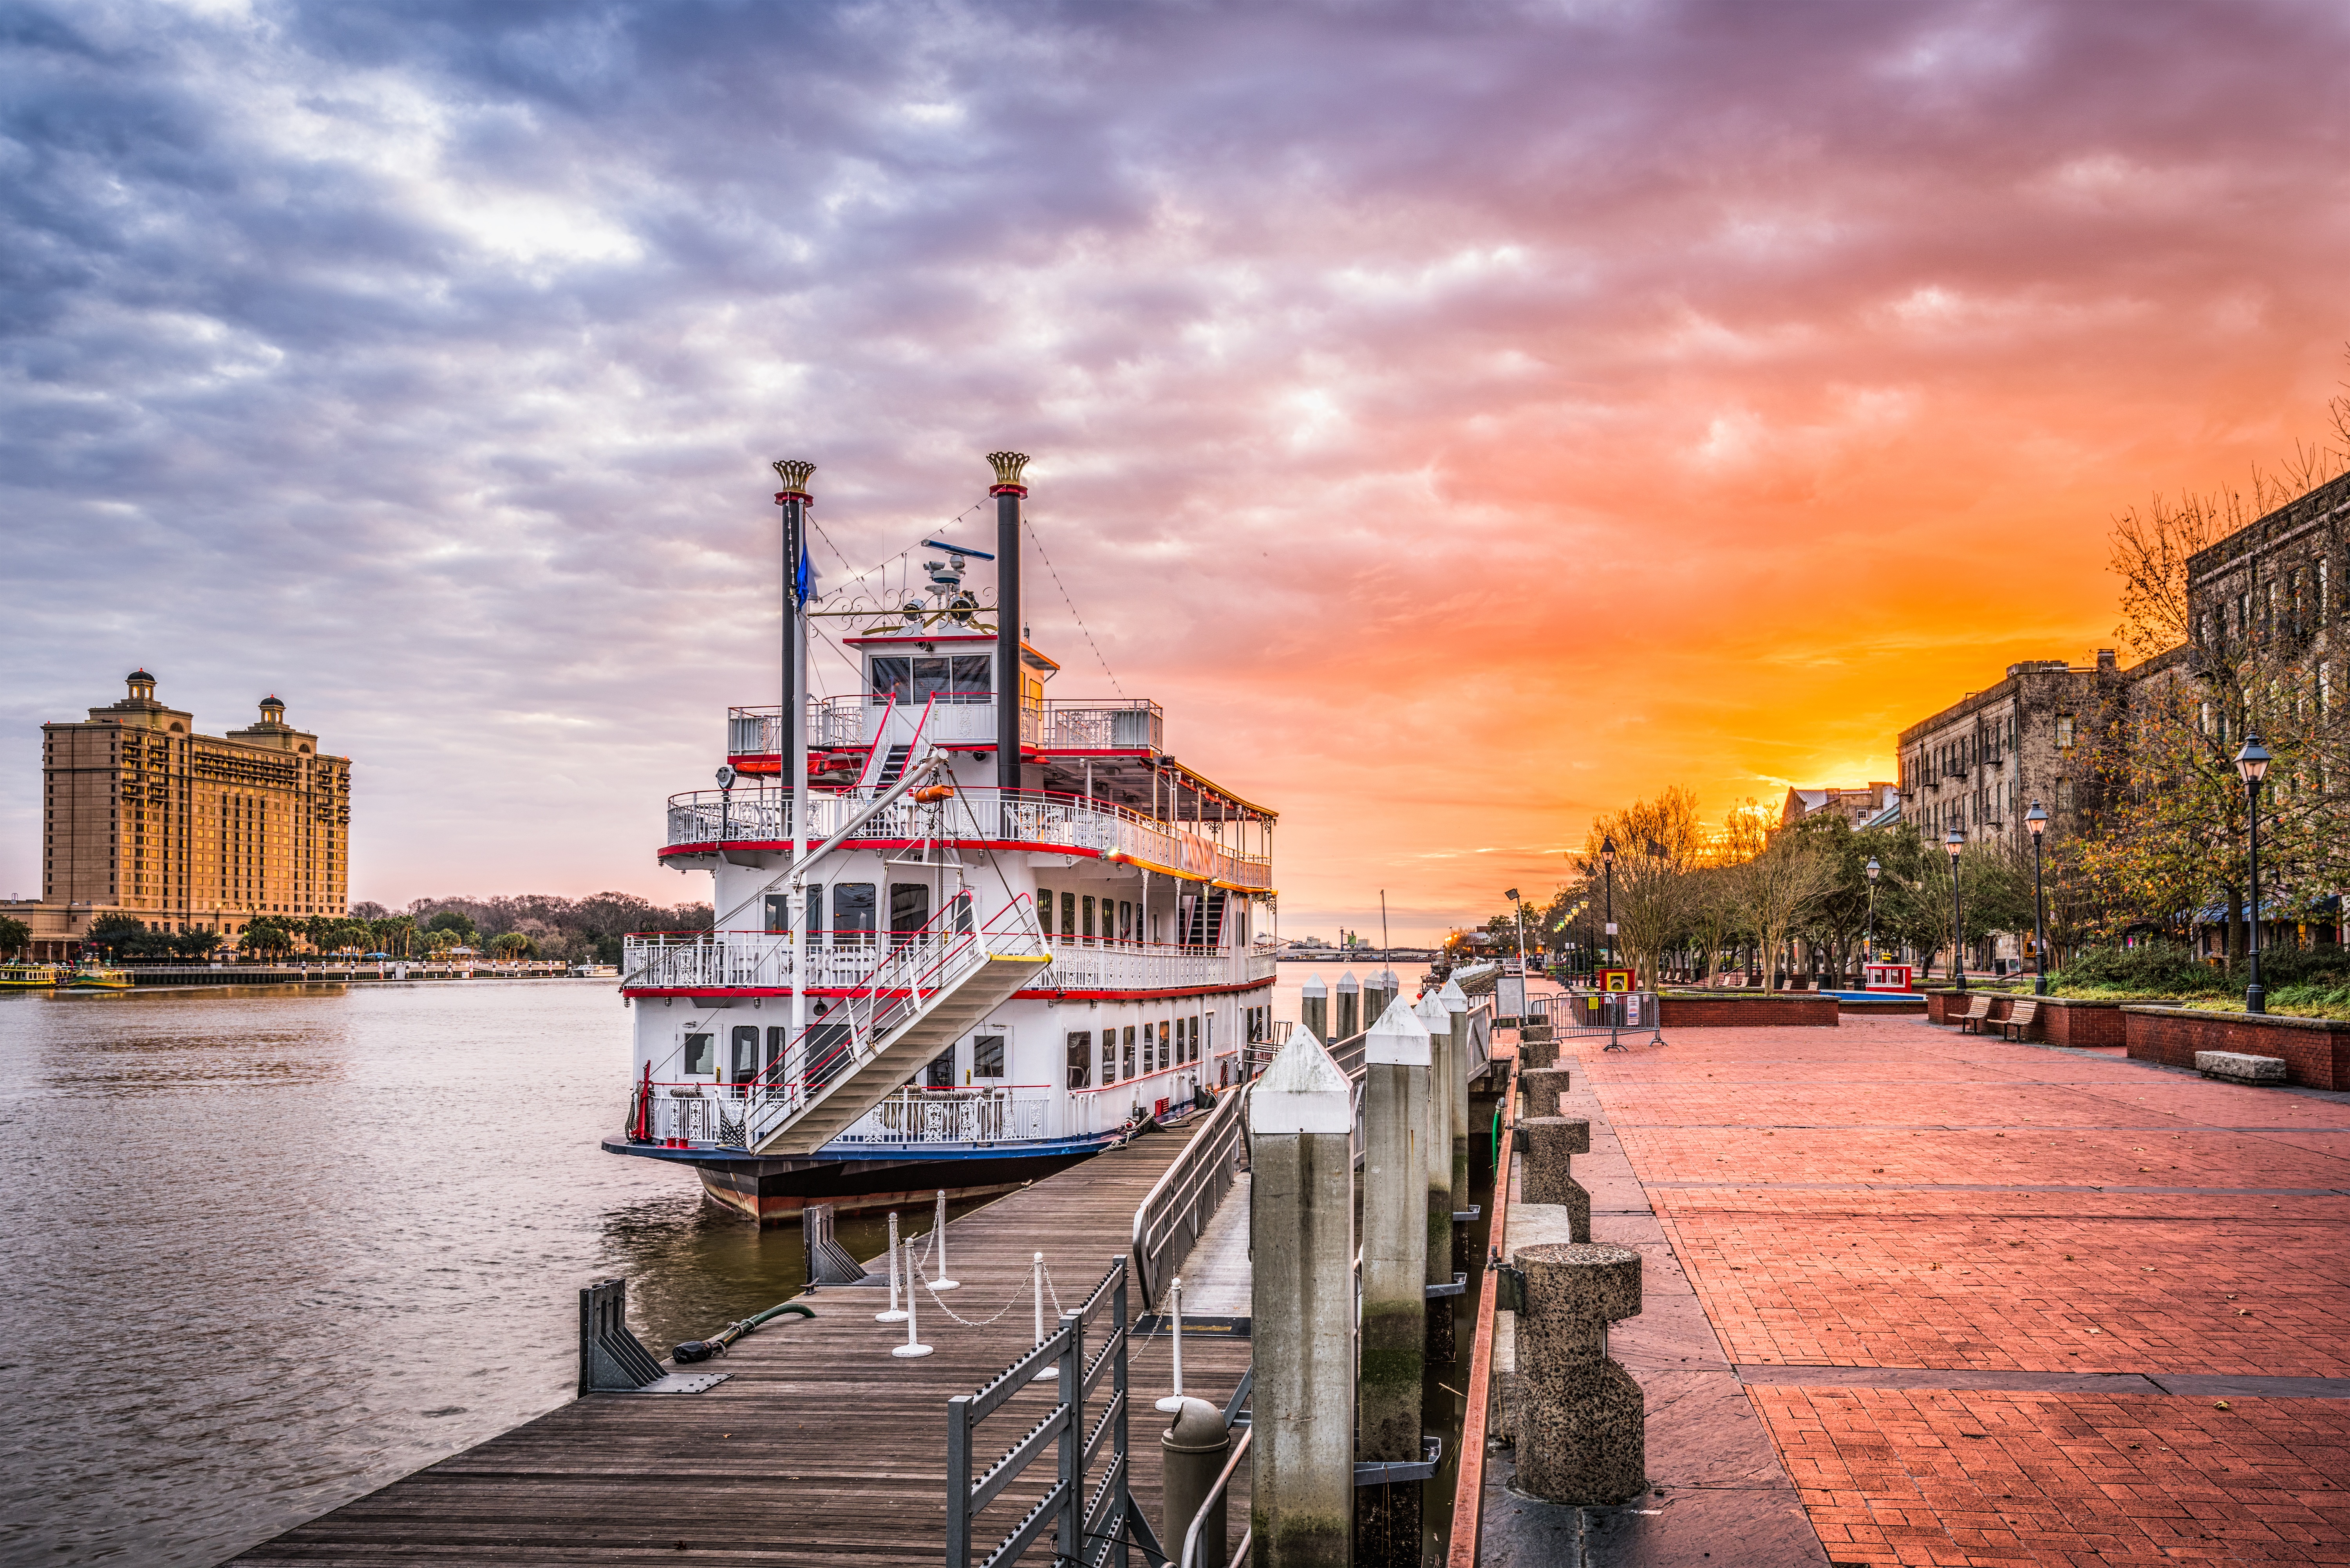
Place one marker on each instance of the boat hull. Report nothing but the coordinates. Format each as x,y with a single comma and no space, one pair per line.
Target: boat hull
772,1190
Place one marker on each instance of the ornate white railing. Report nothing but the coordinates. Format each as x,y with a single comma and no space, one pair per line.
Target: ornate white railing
957,1115
1083,723
759,959
984,815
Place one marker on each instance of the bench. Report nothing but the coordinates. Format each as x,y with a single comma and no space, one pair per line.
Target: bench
1972,1021
2017,1024
2238,1067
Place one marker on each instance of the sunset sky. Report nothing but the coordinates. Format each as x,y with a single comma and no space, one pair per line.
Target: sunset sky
1461,416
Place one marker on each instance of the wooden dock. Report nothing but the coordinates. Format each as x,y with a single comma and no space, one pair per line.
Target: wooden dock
821,1447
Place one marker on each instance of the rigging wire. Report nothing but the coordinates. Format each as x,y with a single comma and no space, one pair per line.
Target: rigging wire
1073,606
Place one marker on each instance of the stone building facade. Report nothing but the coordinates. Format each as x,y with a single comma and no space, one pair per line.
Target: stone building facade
1858,806
1979,764
144,816
2279,581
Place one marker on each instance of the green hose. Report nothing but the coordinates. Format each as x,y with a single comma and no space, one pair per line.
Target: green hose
694,1350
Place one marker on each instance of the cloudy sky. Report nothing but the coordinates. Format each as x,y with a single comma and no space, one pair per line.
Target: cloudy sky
1461,416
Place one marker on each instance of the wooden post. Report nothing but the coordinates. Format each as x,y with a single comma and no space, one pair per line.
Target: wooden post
1351,1021
1314,1006
1302,1307
1395,1285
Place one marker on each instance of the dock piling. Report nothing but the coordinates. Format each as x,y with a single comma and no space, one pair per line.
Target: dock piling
1456,1012
1552,1144
1431,1017
1300,1220
1396,1231
1351,1021
1313,1007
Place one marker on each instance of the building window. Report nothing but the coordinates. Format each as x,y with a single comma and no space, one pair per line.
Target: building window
987,1058
2063,731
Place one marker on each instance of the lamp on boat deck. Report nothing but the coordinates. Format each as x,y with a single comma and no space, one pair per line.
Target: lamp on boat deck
1009,492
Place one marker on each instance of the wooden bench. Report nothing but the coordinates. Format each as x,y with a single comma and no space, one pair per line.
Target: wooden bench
2017,1024
1972,1021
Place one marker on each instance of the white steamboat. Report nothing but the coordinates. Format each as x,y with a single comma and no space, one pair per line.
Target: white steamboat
962,938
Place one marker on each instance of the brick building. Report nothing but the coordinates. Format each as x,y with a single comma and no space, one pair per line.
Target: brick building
142,815
1859,806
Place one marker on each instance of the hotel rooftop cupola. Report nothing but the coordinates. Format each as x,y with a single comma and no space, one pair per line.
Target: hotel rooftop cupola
142,686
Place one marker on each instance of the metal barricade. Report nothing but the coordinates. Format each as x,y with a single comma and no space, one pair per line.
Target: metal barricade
1580,1014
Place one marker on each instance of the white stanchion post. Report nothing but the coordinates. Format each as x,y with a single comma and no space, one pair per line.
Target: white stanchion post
939,1230
913,1347
1173,1403
896,1313
1049,1372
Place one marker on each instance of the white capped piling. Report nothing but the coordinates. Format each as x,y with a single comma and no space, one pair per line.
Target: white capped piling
896,1313
1301,1308
1173,1403
939,1236
913,1347
1395,1234
1314,1006
1456,1012
1349,994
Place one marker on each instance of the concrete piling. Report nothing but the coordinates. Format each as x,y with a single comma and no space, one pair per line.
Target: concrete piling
1313,1007
1430,1016
1395,1310
1542,1087
1301,1228
1191,1454
1582,1424
1455,1002
1552,1143
1351,1020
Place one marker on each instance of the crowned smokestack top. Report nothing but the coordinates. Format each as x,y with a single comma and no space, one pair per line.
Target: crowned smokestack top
1008,492
795,474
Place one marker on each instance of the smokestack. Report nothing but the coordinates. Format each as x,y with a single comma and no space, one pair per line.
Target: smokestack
1009,492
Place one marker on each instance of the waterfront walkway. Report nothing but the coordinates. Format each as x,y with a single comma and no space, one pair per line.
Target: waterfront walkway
1990,1303
821,1447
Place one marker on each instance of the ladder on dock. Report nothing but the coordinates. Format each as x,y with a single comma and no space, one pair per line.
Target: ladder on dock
932,988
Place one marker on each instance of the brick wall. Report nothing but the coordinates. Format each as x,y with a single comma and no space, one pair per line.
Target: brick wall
2317,1053
2080,1022
1808,1012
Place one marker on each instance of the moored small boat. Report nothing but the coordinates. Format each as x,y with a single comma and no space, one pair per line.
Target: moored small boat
29,976
95,977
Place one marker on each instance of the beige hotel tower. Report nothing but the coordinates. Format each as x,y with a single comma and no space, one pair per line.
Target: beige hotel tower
143,816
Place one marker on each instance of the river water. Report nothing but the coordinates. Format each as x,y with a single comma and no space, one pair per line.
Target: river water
272,1246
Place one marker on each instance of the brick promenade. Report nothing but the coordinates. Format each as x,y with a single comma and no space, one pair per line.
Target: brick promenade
2004,1303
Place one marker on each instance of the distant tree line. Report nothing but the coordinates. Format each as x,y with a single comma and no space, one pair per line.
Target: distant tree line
533,924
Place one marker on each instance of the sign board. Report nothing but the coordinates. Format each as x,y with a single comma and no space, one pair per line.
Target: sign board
1510,997
1615,979
1889,976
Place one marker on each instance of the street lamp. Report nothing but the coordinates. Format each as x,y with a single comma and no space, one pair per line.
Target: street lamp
1868,948
1515,903
1608,860
2037,820
1954,842
2252,762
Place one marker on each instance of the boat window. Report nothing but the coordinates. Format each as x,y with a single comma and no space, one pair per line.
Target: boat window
1165,1060
987,1056
1125,920
1068,913
814,913
1045,910
1081,1058
931,678
828,1048
940,1074
1109,1057
1195,1035
700,1055
746,1052
779,908
910,910
1129,1049
971,674
777,1035
1088,929
892,677
852,913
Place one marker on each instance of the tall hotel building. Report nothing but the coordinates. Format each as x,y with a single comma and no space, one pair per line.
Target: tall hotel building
143,816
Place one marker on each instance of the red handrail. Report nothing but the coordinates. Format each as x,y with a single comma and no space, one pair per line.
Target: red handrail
1468,1489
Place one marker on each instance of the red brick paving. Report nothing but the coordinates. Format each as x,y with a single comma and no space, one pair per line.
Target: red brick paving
1897,1265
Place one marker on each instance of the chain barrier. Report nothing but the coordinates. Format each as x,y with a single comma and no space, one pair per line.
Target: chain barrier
923,1261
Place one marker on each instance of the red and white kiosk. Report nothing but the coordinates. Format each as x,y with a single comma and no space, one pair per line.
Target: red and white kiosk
1889,977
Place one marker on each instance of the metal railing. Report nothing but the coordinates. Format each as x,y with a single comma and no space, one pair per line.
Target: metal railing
763,959
1090,1526
959,1115
1061,724
1175,1212
981,814
1615,1013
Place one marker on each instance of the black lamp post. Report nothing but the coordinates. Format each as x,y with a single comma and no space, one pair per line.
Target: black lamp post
1608,860
1868,948
2037,820
2252,762
1954,842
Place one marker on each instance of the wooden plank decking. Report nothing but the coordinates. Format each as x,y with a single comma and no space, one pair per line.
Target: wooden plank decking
821,1447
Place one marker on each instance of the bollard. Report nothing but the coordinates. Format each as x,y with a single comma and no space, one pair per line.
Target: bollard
1544,1086
1582,1428
1314,1006
1191,1454
942,1284
896,1313
1048,1373
1552,1143
913,1347
1351,1021
1536,1053
1301,1308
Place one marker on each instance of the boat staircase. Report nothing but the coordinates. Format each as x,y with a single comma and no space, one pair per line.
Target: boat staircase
930,989
1206,927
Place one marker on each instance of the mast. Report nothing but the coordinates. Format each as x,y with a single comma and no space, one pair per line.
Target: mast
1008,492
791,719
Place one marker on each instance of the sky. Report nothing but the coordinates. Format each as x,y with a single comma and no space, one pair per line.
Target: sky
1462,418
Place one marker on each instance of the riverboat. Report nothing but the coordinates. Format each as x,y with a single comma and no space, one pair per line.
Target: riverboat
96,977
27,976
965,933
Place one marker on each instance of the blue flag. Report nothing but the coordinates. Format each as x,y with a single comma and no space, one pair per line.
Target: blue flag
805,576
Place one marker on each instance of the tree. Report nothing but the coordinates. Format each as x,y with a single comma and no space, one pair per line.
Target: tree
196,944
511,945
16,936
1775,890
265,936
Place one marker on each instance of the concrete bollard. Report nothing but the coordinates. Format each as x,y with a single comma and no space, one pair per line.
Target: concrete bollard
1543,1086
1191,1454
1552,1142
1395,1292
1351,1021
1301,1305
1536,1052
1313,1007
1582,1425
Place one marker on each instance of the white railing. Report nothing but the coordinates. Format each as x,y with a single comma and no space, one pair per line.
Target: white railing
984,815
761,960
957,1115
1082,724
